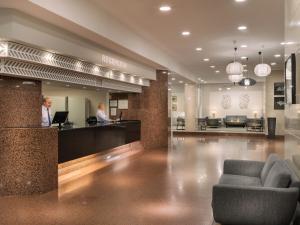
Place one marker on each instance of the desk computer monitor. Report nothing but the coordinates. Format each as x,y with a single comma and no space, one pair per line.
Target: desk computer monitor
60,117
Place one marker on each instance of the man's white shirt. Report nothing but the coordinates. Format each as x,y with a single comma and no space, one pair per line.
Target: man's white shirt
45,118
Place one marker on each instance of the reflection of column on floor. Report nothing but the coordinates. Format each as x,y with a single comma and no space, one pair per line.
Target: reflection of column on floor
190,99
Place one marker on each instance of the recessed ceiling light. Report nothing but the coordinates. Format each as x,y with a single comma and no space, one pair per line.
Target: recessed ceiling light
228,88
180,81
186,33
212,67
273,64
217,71
244,65
165,8
277,55
244,57
198,49
282,43
245,70
240,0
169,89
242,28
173,78
244,46
199,78
206,60
220,89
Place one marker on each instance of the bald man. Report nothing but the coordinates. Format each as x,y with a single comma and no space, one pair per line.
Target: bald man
46,112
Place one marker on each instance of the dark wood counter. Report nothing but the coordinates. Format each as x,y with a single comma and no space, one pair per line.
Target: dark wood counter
74,143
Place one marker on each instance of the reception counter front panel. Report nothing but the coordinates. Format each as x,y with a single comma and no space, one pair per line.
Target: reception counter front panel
74,143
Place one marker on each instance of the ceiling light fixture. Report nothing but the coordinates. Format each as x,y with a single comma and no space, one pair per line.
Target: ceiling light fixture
240,0
262,69
199,49
235,69
206,60
165,8
277,55
217,71
186,33
212,67
242,28
181,82
173,78
244,57
244,46
273,64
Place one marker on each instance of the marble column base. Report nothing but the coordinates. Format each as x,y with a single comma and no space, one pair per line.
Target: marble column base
28,160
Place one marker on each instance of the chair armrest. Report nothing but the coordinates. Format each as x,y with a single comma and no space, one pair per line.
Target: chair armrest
254,205
243,167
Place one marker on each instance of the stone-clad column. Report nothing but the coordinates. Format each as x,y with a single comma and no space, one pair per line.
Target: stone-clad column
190,97
28,153
151,107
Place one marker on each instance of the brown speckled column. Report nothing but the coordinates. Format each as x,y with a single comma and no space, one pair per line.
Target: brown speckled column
151,107
28,153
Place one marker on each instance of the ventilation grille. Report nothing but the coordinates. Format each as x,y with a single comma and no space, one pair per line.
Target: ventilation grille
25,53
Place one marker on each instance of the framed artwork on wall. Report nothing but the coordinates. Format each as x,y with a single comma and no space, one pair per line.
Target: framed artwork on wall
279,103
279,88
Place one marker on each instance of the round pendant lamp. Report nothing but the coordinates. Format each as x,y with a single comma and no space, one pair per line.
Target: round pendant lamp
262,69
235,78
235,67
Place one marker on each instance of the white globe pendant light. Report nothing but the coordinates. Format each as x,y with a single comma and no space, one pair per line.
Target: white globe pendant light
235,70
235,78
262,69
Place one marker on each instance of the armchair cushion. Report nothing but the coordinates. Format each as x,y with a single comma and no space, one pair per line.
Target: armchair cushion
240,180
243,167
279,176
267,167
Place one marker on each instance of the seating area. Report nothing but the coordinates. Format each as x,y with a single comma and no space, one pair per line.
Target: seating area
250,124
247,187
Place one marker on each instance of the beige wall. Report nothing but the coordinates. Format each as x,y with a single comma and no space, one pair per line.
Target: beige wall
190,99
276,76
212,98
94,96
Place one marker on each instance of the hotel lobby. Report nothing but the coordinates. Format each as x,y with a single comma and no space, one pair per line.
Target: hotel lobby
149,112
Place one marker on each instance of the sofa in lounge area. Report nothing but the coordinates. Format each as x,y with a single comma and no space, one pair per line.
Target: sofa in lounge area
256,193
235,121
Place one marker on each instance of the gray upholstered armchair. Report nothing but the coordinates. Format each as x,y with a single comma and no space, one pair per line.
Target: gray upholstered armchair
256,193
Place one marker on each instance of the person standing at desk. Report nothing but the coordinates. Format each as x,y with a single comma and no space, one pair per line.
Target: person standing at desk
46,112
101,116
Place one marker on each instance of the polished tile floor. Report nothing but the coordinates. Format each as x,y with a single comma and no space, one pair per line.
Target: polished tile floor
158,187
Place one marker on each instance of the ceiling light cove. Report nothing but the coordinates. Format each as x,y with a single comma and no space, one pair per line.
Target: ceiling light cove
242,28
198,49
185,33
165,8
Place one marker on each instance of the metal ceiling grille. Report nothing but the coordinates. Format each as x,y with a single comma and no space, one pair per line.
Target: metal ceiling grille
72,67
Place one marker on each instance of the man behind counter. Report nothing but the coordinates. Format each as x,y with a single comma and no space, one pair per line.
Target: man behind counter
46,112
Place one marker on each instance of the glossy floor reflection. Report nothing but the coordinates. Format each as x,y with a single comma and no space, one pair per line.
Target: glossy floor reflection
156,187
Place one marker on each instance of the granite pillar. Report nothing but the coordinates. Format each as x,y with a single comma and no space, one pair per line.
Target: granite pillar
151,107
28,153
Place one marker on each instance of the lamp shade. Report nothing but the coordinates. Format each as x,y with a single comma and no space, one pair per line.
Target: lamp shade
247,82
235,78
262,70
234,68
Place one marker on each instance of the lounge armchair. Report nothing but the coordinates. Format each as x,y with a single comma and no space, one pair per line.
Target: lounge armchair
256,193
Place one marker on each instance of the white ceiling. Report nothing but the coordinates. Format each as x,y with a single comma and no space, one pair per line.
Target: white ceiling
213,26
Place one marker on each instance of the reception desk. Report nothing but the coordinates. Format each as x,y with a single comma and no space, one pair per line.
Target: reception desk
77,142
